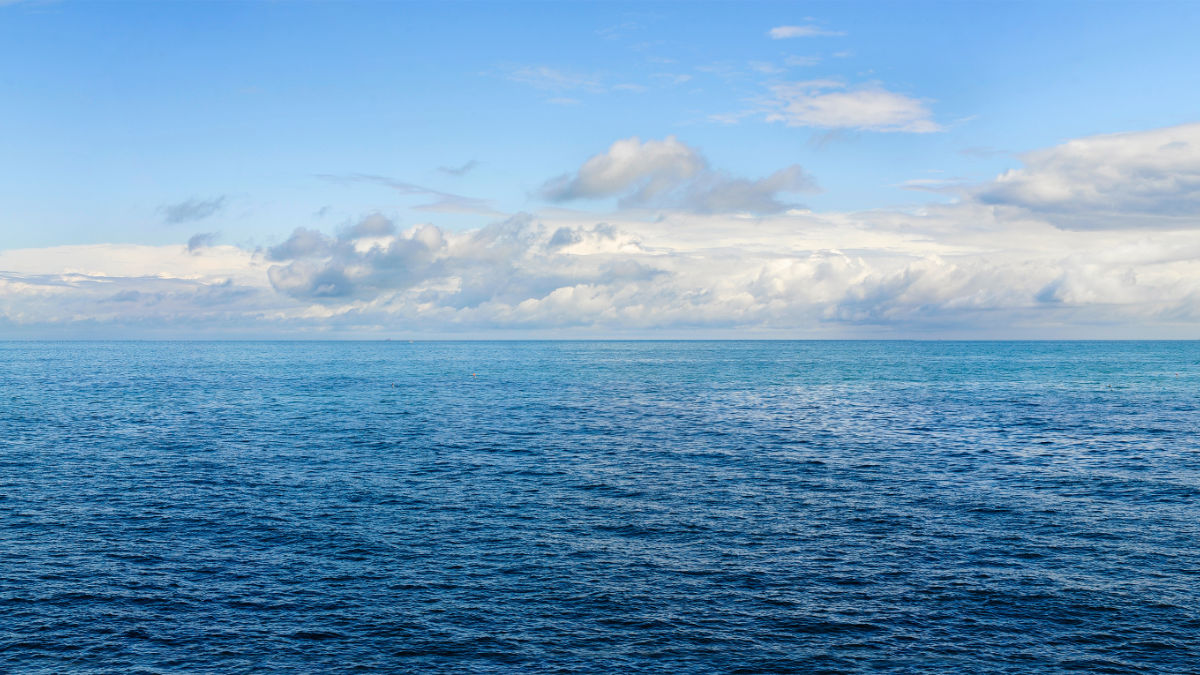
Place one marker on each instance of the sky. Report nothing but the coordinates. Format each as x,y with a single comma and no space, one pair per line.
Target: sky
938,170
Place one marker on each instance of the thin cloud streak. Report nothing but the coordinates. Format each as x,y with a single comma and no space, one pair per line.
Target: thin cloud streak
786,32
192,210
444,202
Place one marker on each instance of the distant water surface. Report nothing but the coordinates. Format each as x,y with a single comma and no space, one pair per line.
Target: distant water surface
600,506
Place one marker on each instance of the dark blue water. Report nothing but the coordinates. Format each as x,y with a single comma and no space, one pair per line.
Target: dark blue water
563,507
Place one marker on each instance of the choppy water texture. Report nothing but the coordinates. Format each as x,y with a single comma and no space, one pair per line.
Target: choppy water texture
687,506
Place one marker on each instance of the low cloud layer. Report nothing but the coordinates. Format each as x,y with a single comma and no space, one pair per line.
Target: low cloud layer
669,174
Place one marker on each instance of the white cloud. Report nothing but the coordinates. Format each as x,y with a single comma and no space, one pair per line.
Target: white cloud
671,174
961,269
1135,179
462,170
830,104
801,61
554,79
968,269
764,67
784,32
648,169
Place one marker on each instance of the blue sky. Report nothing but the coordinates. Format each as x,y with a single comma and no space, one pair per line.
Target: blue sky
152,124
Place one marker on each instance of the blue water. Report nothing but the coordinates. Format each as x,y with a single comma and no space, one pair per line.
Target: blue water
599,506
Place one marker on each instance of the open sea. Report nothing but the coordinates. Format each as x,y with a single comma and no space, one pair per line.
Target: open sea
808,507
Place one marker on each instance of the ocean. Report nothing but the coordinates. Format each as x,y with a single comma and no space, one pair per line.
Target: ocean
812,507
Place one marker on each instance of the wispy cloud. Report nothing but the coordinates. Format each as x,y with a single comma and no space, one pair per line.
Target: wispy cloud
935,185
785,32
983,152
619,31
443,202
550,79
1019,256
564,85
462,170
192,210
801,61
764,67
831,104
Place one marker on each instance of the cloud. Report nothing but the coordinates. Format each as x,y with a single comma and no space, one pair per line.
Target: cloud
863,273
764,67
785,32
801,61
670,174
621,30
192,210
648,169
830,104
957,270
1134,179
981,152
979,267
122,290
200,240
554,79
443,202
935,185
562,82
672,79
459,170
303,243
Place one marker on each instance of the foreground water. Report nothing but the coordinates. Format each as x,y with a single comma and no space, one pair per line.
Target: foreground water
678,506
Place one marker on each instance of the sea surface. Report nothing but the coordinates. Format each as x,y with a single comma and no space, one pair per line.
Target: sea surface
810,507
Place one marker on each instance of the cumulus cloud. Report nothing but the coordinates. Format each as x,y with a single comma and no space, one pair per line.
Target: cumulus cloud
648,169
831,104
192,210
671,174
785,32
1135,179
364,259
